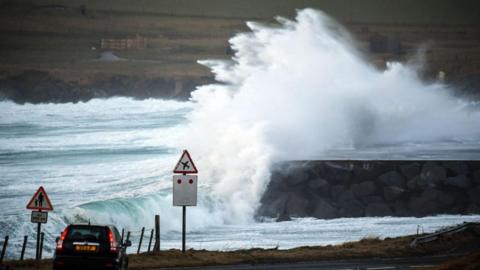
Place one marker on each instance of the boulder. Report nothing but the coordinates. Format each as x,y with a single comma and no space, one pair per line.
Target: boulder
432,174
423,183
339,173
421,207
341,177
474,195
431,201
372,199
363,189
441,198
283,217
392,178
275,207
460,181
297,176
400,208
296,206
410,170
324,210
391,193
319,186
337,190
455,167
365,171
377,210
476,177
352,208
412,184
347,195
473,209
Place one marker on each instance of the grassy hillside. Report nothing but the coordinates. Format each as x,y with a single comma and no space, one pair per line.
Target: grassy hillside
63,37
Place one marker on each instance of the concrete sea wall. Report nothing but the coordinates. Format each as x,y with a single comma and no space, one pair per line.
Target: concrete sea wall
331,189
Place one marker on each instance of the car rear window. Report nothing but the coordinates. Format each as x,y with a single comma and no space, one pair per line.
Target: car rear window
86,233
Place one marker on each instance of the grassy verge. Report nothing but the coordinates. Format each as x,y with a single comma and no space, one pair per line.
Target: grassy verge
366,248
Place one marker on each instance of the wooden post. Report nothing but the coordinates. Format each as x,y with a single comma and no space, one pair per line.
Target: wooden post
42,235
123,232
128,236
156,247
4,249
141,240
150,242
25,239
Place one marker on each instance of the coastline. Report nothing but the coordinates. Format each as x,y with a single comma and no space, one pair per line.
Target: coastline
462,243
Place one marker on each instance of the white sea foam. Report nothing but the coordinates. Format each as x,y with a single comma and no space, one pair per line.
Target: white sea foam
299,90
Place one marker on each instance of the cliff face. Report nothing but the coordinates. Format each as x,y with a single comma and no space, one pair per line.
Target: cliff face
331,189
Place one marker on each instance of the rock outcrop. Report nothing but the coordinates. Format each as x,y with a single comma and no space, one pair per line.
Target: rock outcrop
43,87
332,189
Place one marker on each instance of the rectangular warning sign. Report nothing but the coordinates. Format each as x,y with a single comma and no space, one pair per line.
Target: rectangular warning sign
185,190
39,217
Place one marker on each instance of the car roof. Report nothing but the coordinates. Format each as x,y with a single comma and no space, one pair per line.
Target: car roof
92,225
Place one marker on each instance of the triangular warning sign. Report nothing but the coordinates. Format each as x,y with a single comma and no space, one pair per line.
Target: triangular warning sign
40,201
185,164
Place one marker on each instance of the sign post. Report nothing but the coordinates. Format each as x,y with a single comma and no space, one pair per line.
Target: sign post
185,188
39,202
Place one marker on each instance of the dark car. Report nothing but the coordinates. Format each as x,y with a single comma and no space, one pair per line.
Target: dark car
90,247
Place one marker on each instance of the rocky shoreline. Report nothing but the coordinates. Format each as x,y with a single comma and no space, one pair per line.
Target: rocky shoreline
332,189
33,86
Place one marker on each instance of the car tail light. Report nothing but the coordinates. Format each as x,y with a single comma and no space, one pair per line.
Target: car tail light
61,239
113,244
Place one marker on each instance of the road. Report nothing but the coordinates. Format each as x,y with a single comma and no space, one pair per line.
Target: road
354,264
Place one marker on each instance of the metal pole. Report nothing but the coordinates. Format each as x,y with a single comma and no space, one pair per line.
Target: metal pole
141,239
37,254
128,236
123,232
42,235
184,227
156,247
150,242
25,238
4,249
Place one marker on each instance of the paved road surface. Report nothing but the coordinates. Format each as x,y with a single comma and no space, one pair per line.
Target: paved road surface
357,264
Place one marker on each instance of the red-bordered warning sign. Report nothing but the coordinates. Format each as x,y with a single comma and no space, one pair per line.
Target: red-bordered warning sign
185,165
40,201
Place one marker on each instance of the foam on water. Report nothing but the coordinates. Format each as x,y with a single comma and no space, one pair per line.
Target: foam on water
296,90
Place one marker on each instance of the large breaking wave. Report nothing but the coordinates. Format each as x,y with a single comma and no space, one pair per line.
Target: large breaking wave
299,89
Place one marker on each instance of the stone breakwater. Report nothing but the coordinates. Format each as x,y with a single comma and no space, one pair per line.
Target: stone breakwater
332,189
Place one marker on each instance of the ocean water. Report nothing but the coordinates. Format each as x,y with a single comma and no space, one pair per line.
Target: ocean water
111,161
298,90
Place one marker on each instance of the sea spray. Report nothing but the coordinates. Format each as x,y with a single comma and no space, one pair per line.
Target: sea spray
299,89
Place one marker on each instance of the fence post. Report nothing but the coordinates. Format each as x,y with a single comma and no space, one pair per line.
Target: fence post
141,239
4,249
156,247
123,232
128,236
25,239
42,235
150,242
